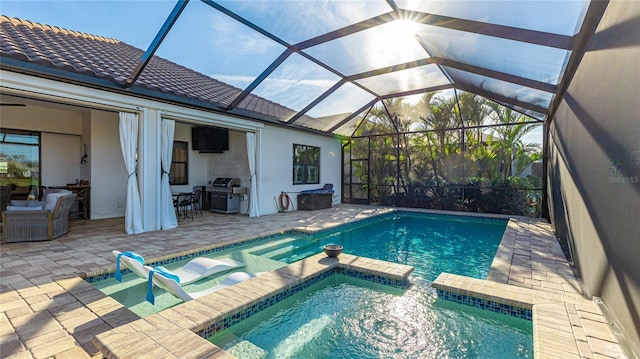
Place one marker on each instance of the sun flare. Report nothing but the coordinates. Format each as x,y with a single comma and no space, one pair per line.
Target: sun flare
394,43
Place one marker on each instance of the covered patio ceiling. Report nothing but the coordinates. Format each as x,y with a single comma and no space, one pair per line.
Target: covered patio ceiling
329,62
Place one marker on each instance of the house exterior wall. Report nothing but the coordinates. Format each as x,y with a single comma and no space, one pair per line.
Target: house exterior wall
277,165
198,162
96,122
108,173
594,167
59,159
85,168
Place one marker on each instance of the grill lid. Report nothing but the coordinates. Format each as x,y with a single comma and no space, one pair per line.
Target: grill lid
226,182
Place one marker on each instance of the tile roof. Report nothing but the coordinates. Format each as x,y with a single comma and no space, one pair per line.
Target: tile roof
112,60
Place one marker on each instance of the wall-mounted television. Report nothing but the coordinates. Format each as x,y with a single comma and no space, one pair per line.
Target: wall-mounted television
209,139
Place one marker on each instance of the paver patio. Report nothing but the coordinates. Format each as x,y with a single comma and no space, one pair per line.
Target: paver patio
40,318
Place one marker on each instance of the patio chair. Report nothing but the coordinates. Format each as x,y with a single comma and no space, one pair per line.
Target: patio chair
168,281
184,201
194,270
34,222
195,201
82,198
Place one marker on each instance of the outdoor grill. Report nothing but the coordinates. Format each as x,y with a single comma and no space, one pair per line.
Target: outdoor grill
225,195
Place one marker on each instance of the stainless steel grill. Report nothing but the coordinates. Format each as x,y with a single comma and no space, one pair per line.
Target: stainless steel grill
225,195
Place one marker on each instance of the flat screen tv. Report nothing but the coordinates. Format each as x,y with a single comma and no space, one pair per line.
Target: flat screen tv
209,139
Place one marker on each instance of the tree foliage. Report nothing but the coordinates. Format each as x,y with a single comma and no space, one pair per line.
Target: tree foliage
464,153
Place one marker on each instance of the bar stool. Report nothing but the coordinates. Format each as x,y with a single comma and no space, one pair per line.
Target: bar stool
82,198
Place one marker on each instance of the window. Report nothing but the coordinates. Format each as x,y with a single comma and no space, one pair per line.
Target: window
178,174
19,164
306,164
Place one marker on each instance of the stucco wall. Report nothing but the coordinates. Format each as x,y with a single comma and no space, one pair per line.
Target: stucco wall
277,165
60,139
59,159
108,173
37,118
198,162
594,167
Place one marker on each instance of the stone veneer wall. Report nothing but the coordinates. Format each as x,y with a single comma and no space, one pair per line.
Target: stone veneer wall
231,163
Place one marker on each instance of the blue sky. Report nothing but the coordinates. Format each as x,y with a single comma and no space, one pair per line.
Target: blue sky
207,41
107,18
210,42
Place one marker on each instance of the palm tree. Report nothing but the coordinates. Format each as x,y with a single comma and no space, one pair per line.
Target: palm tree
510,148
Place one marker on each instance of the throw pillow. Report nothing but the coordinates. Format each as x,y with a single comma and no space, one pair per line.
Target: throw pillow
52,200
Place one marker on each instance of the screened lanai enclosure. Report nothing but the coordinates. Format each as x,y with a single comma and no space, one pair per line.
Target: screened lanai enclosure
466,105
441,104
461,152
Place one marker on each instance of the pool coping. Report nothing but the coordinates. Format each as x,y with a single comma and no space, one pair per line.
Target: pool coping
155,335
563,326
565,323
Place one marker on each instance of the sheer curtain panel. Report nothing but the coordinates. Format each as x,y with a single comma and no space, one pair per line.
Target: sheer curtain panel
129,145
254,203
168,213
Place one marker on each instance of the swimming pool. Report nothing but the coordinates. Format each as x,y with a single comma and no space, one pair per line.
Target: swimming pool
418,322
343,317
430,243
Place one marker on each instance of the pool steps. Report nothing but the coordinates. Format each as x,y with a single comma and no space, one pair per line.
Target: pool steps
284,248
274,246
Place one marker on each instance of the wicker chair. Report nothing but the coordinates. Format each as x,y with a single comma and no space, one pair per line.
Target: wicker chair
28,224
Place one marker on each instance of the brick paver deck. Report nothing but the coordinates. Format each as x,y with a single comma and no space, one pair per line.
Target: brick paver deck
46,311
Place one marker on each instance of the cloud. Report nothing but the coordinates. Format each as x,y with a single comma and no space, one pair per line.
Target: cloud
238,38
233,79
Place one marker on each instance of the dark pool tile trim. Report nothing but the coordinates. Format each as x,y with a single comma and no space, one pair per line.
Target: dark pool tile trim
357,223
522,313
402,212
163,262
261,305
404,283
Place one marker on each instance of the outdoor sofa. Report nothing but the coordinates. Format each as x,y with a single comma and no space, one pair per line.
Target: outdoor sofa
30,220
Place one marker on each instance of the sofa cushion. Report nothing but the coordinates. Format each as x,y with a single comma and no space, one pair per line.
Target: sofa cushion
326,189
49,191
23,208
52,200
27,203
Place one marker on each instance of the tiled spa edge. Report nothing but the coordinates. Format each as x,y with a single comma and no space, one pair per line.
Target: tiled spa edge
172,332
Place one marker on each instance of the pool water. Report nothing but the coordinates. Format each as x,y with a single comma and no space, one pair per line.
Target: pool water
132,291
344,317
431,243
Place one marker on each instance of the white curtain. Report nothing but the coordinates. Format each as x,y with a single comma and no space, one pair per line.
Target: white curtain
254,203
167,211
129,145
